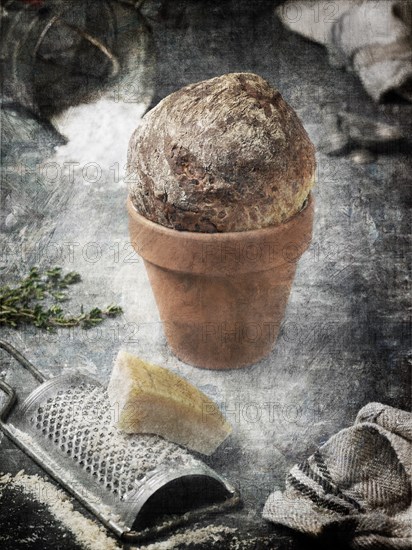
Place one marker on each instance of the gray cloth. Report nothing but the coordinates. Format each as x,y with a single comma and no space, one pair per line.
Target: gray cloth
371,37
356,489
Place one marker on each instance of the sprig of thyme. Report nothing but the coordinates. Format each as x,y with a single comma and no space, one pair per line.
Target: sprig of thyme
24,302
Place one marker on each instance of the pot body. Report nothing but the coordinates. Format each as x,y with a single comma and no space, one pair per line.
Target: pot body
222,296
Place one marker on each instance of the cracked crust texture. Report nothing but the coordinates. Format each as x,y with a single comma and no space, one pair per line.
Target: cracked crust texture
225,154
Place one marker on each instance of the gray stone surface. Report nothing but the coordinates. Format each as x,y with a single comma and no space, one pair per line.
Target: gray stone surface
346,335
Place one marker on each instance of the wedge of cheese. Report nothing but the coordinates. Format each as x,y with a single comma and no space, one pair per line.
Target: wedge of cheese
150,399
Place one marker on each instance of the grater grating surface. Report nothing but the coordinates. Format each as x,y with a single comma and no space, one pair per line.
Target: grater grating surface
78,421
66,425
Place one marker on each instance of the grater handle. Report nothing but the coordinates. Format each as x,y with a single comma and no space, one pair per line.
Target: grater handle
11,399
39,376
11,394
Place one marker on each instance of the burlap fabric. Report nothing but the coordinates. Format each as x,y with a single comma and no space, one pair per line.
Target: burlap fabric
371,37
355,489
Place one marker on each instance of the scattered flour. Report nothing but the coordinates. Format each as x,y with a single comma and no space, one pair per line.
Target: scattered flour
97,133
210,534
87,533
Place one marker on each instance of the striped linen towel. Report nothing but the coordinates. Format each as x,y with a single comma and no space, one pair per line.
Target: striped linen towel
356,489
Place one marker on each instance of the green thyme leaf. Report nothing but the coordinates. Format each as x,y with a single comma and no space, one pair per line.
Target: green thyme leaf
22,304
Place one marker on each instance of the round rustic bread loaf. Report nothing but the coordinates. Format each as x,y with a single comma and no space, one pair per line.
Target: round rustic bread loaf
226,154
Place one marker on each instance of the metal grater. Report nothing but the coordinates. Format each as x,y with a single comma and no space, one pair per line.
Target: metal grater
66,426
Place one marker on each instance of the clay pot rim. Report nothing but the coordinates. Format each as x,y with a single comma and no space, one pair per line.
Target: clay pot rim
228,235
222,254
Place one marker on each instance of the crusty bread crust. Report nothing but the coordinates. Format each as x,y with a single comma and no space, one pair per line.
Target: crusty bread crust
225,154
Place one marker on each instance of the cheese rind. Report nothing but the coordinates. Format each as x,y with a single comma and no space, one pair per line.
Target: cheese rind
151,399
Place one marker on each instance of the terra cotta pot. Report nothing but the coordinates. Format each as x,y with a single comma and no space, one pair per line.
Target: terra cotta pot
221,296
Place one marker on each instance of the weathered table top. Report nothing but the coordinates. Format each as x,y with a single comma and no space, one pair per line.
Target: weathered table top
346,333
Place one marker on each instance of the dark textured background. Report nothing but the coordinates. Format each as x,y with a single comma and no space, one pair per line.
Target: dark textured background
347,332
